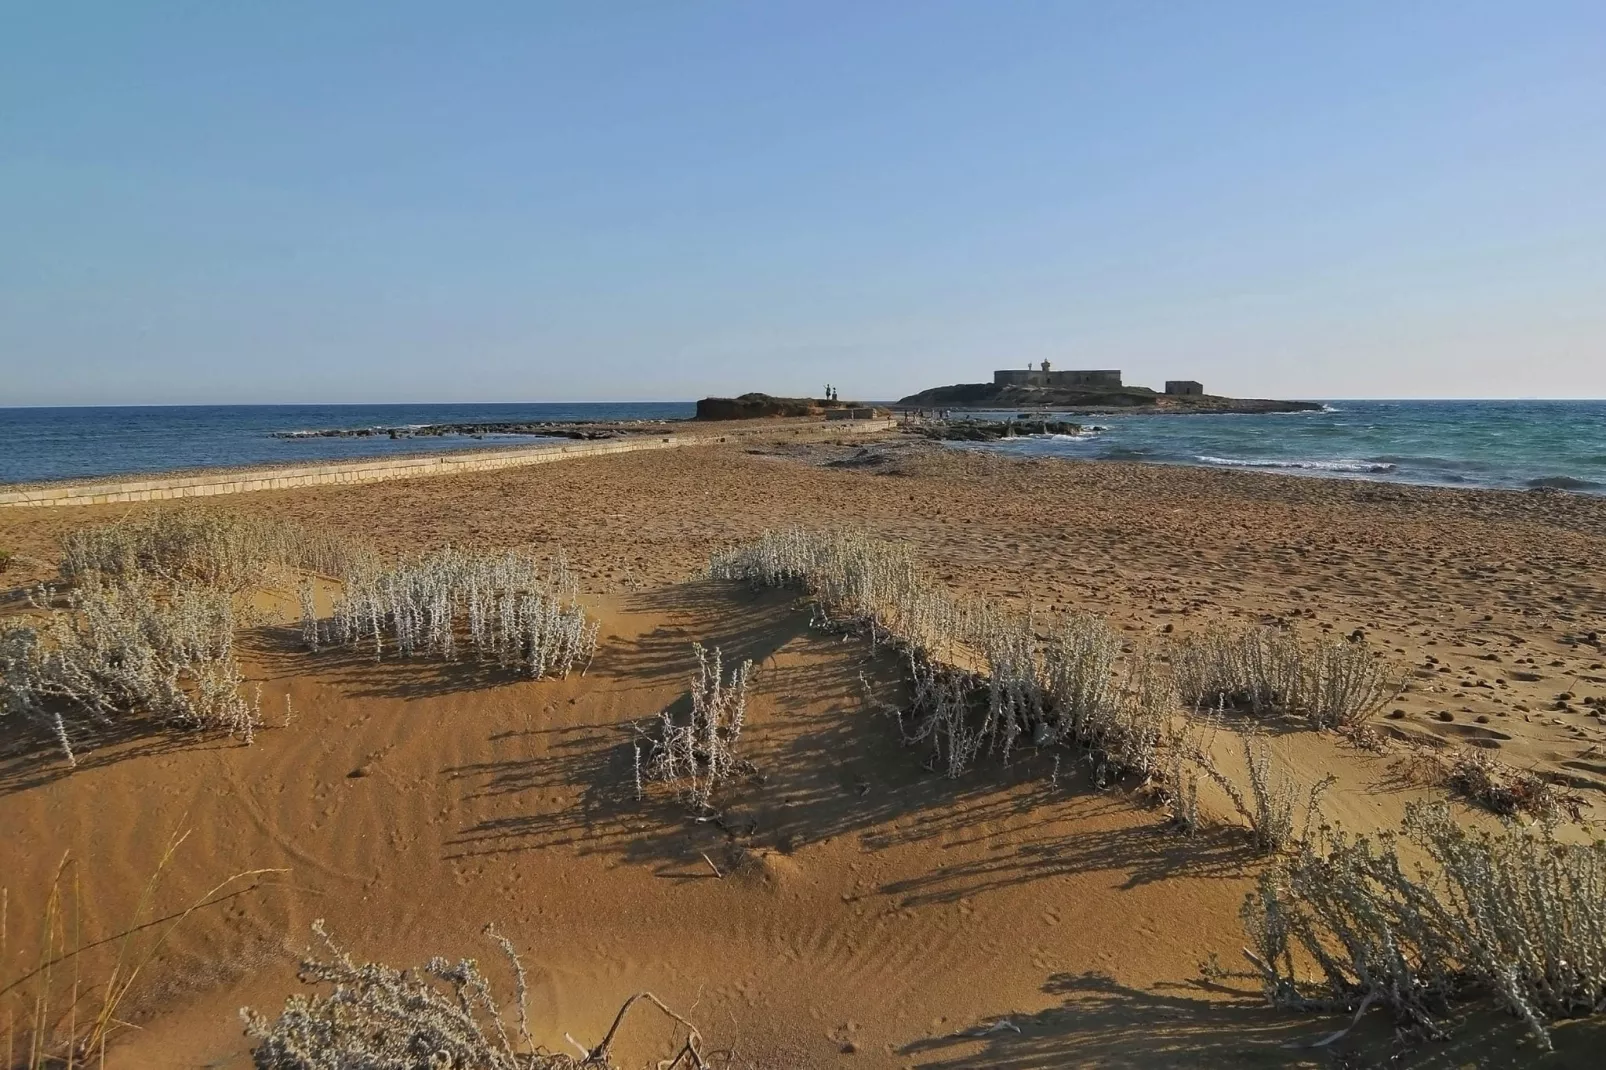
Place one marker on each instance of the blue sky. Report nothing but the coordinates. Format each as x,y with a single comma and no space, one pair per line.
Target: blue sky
329,202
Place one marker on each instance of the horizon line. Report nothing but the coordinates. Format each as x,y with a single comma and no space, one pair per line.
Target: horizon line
678,401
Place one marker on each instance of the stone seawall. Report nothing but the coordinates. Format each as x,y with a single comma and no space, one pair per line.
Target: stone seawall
207,484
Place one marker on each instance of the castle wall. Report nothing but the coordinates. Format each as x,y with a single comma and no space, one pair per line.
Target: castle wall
1104,378
1074,378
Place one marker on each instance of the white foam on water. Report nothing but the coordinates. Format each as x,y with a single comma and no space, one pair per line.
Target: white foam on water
1314,466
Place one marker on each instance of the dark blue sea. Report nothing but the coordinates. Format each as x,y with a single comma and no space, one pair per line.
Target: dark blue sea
1520,445
49,443
1508,444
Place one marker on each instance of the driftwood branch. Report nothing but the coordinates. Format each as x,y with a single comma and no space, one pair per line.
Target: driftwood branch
689,1055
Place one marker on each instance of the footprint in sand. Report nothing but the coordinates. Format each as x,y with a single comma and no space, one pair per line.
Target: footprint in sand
1473,735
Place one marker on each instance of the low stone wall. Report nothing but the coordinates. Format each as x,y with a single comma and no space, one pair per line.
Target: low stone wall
207,484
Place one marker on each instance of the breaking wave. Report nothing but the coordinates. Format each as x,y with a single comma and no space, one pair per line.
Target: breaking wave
1563,483
1314,466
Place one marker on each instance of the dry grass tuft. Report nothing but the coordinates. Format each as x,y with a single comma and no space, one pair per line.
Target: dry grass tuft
1335,684
695,758
201,546
445,1015
505,608
69,1001
1516,914
984,682
115,652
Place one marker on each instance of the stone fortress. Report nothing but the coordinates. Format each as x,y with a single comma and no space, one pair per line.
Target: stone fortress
1082,379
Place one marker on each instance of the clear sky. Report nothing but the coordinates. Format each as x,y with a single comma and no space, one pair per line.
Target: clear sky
394,201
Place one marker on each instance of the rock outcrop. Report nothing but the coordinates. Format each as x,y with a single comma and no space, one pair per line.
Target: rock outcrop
992,430
1104,399
757,406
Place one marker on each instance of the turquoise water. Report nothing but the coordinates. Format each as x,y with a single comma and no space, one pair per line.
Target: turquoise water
1511,444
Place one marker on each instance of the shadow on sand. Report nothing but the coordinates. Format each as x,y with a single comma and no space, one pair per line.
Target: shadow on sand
826,766
1200,1024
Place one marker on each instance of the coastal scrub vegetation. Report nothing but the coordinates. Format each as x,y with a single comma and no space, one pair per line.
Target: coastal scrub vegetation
143,630
504,608
442,1015
1515,914
696,757
112,653
222,550
1337,922
1264,672
1518,914
988,679
982,680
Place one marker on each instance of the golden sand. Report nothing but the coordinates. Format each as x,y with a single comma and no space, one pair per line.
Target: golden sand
867,913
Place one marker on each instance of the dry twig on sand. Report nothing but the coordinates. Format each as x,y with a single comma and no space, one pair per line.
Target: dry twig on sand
445,1015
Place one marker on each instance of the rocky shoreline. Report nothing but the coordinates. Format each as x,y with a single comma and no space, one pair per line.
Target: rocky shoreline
540,429
991,430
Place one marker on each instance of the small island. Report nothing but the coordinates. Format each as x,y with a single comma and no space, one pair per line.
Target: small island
1097,391
757,406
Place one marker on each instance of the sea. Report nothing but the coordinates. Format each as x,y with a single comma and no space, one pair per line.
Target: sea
40,444
1519,445
1514,445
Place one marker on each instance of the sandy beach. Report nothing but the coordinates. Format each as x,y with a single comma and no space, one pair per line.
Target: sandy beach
871,913
1502,588
758,537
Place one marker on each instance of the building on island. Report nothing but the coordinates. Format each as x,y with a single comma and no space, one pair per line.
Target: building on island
1184,387
1091,380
